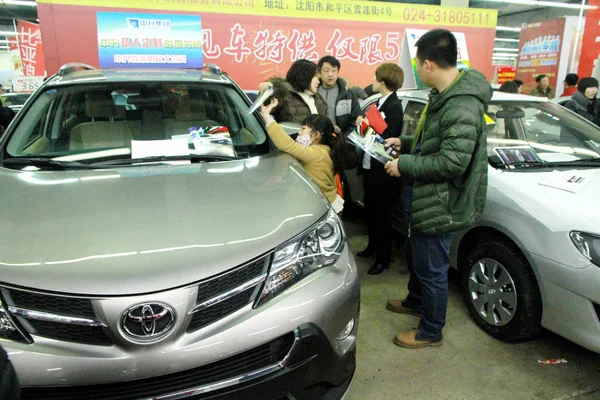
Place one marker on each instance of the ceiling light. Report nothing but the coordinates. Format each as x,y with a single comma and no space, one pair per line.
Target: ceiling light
504,49
506,54
543,3
508,28
19,3
506,40
503,58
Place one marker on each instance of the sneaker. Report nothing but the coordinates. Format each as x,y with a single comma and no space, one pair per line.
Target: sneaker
398,306
409,340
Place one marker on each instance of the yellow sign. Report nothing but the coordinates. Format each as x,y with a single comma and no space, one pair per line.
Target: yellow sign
346,10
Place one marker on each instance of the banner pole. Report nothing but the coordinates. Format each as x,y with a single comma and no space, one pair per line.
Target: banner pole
572,64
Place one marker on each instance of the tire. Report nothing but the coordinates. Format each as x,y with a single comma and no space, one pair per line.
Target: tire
509,306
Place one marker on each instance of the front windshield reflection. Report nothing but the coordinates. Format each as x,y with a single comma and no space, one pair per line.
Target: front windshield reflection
106,121
542,132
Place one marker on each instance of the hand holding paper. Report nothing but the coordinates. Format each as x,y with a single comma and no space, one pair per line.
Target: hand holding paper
392,168
394,142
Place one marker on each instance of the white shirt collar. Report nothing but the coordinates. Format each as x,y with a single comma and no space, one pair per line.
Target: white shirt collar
383,99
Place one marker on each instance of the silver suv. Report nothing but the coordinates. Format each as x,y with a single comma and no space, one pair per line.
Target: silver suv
141,260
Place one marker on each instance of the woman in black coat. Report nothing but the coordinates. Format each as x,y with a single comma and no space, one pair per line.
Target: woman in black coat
584,101
381,190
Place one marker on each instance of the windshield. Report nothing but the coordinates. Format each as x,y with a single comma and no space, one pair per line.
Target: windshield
14,99
113,121
530,134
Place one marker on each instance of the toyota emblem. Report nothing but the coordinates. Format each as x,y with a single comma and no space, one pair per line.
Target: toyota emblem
148,322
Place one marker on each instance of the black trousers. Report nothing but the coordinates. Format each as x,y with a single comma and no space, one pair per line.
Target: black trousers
381,196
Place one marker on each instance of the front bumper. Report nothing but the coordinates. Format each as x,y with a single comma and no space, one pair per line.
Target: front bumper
234,354
571,301
311,369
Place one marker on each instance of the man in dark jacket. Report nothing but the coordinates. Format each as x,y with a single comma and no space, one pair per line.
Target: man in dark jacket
342,105
9,384
543,88
447,164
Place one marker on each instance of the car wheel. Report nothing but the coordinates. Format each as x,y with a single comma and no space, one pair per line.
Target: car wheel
501,292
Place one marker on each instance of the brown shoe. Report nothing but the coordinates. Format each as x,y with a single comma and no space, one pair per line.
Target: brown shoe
409,341
397,307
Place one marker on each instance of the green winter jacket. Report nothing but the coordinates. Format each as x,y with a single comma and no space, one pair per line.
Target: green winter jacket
450,173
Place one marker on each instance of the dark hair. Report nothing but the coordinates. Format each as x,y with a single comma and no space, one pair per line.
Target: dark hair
321,124
391,75
300,74
585,83
518,82
539,78
331,60
509,87
438,46
571,79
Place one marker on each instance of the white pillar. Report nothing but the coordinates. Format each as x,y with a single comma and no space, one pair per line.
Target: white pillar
455,3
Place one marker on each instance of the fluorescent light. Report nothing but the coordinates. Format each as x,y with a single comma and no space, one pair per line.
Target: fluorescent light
508,28
19,3
503,58
506,55
506,40
505,49
543,3
3,47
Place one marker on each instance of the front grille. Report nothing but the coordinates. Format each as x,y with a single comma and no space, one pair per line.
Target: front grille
54,304
70,333
238,365
224,283
58,305
212,314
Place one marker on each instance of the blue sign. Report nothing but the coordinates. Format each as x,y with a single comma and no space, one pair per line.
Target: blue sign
128,40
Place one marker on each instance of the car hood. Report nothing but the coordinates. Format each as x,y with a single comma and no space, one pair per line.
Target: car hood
148,228
545,192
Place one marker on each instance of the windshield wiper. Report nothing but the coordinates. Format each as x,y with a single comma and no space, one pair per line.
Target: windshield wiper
159,159
44,162
583,162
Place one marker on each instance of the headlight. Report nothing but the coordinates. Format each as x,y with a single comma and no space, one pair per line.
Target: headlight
588,244
293,261
8,329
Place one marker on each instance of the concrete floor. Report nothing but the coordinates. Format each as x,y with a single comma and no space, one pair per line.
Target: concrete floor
470,364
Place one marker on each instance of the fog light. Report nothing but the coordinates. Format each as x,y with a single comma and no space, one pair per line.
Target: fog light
7,328
346,331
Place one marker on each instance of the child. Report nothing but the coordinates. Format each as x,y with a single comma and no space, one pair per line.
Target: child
312,148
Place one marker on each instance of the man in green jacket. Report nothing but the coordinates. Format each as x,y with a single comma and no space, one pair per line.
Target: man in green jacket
446,164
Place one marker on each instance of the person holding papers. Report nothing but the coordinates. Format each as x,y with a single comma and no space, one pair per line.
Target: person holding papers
382,191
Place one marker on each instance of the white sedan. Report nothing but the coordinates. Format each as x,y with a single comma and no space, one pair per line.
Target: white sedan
533,259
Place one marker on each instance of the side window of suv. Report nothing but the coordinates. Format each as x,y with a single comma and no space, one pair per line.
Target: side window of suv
411,117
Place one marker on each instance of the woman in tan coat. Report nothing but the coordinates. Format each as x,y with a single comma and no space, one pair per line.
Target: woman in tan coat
312,148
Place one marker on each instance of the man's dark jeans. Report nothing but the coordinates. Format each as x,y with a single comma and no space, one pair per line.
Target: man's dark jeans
428,261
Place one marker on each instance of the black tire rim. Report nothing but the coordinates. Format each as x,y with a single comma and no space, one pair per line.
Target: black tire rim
492,292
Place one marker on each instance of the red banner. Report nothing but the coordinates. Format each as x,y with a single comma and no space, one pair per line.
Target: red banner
252,48
539,52
30,46
505,74
591,40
